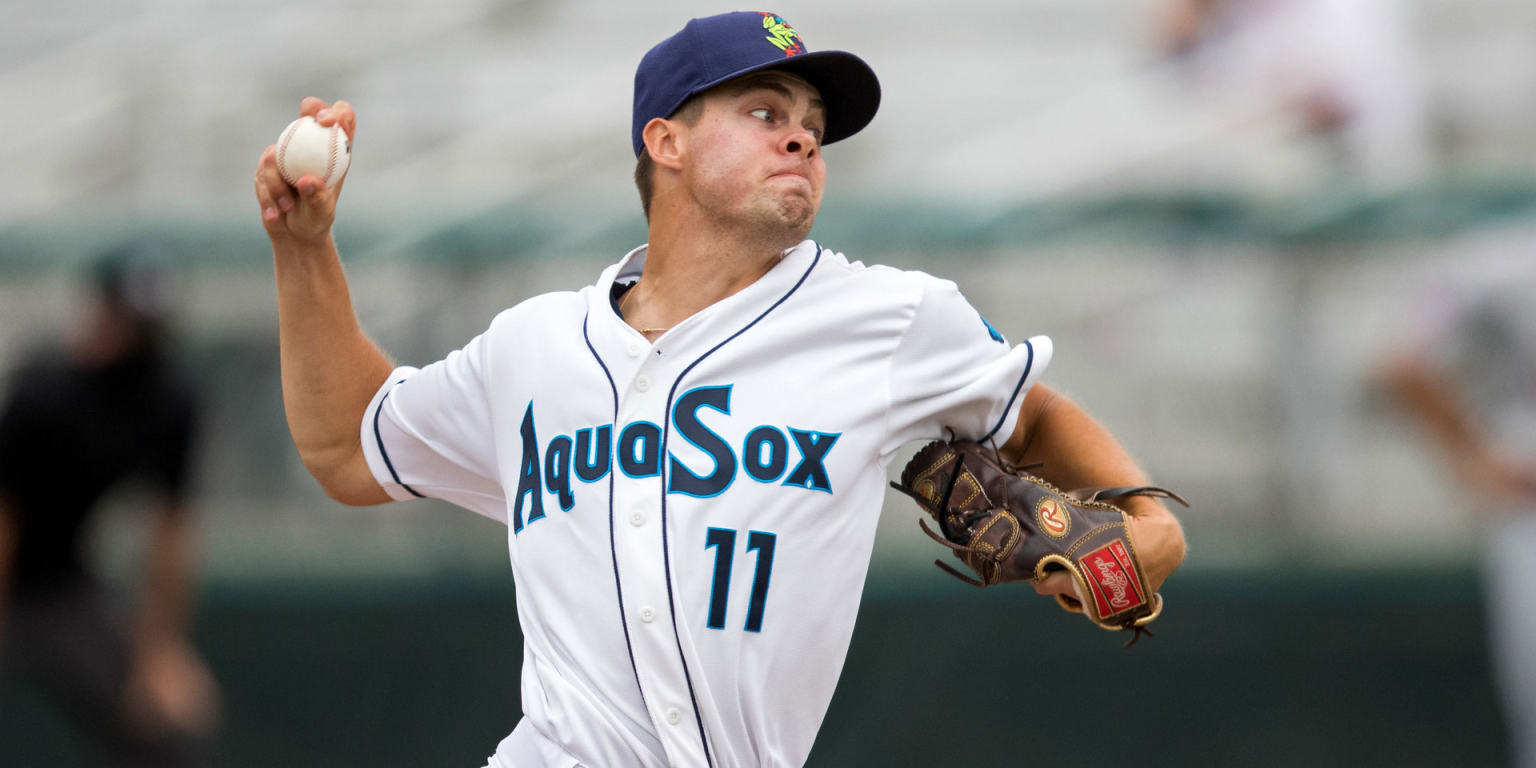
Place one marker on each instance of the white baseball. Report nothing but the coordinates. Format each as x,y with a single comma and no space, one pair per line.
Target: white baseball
309,148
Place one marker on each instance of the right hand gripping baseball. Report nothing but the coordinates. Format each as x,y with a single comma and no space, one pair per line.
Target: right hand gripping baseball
303,212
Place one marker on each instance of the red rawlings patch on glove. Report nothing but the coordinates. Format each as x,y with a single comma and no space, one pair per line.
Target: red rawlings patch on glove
1112,579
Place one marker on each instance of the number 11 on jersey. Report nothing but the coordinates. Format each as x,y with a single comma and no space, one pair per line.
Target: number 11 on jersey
723,540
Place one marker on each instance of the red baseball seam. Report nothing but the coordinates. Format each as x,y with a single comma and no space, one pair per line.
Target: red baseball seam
330,167
282,153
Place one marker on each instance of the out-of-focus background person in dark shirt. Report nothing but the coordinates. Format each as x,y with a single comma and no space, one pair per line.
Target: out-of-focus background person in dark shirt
81,421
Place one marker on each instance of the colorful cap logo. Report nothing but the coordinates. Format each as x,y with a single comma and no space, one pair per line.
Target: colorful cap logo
782,35
712,50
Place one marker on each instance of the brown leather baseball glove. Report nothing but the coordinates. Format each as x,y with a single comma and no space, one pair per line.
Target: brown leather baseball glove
1008,525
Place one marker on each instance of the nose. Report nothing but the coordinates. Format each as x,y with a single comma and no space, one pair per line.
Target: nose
800,142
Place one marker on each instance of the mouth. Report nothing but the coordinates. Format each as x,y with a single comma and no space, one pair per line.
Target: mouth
794,170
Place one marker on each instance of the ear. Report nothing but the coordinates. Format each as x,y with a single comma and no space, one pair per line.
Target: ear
666,140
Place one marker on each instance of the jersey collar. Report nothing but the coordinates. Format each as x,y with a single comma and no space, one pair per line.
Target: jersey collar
718,317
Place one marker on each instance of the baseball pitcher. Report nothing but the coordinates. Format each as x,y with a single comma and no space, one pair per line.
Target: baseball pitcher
690,454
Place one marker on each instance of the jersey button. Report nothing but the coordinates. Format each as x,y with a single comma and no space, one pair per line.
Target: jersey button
674,716
637,519
647,614
635,349
642,382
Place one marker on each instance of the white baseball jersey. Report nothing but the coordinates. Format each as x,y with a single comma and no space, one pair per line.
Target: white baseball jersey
690,521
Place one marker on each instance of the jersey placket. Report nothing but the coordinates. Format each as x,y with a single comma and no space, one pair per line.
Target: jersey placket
638,540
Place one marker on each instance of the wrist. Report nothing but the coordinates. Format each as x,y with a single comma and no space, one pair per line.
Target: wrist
303,245
1157,538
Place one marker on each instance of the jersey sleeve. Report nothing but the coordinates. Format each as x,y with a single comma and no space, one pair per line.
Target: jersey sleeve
427,433
953,375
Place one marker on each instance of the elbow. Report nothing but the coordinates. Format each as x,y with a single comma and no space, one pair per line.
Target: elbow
350,495
344,476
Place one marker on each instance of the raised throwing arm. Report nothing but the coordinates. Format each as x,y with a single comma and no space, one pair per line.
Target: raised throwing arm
330,368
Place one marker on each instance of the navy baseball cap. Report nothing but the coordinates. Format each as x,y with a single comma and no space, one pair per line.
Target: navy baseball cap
714,49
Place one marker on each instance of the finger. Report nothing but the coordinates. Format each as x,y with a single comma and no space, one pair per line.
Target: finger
269,206
269,211
309,185
267,160
277,189
1058,583
311,106
346,118
317,202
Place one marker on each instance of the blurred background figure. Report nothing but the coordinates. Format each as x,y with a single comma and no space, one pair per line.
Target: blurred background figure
1466,370
80,422
1345,72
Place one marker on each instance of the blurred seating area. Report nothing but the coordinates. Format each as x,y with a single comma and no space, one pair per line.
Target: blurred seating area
159,107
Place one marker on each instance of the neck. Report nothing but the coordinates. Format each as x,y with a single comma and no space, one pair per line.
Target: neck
689,266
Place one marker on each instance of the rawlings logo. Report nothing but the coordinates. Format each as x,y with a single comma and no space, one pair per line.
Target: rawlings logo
782,35
1110,576
1053,519
1112,579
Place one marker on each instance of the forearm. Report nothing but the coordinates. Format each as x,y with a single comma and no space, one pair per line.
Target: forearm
1432,403
1072,449
330,369
1467,447
165,605
1075,451
168,684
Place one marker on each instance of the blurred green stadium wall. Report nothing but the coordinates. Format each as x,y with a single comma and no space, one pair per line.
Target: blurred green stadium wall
1320,668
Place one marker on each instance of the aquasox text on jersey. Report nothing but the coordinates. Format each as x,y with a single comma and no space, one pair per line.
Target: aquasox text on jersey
764,455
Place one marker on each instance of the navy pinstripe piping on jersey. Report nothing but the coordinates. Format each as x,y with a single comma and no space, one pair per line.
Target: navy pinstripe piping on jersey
666,558
379,438
618,586
1029,363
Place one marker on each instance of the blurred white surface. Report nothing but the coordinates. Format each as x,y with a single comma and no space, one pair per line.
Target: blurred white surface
161,108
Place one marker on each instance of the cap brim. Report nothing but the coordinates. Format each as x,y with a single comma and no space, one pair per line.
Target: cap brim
848,87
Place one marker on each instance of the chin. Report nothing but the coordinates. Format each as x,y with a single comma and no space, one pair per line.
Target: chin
797,215
783,222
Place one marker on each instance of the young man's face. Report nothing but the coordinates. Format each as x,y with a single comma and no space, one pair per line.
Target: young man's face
754,157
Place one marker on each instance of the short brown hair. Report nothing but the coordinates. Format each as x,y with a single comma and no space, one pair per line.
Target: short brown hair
688,113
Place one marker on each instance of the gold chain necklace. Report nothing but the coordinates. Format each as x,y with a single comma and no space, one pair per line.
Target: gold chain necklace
625,297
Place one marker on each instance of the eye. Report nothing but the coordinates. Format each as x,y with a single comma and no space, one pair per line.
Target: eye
762,113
